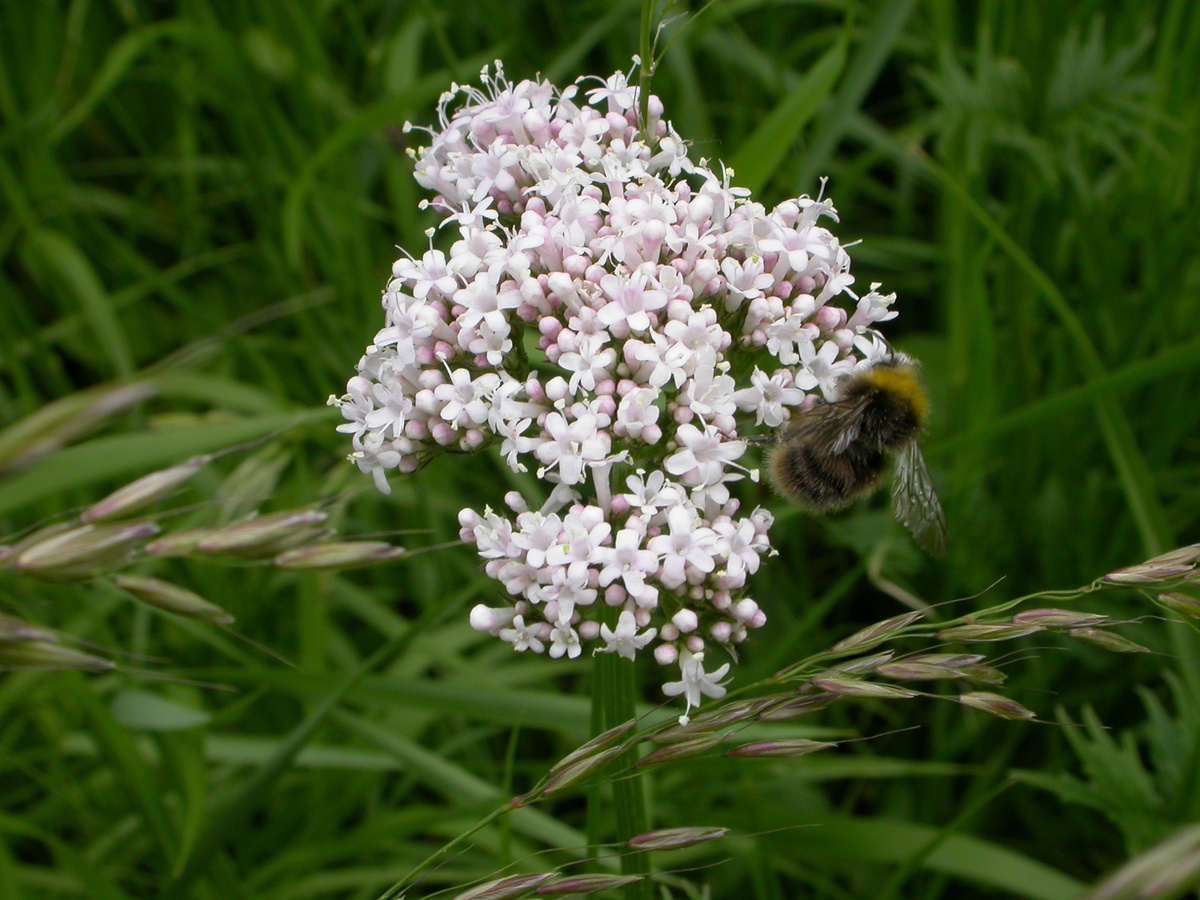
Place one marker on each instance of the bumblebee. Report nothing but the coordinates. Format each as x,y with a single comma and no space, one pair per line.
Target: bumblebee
837,451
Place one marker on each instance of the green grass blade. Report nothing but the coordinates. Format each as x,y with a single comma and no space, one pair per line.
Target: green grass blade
229,822
134,773
60,255
772,141
852,840
121,57
460,786
865,66
130,455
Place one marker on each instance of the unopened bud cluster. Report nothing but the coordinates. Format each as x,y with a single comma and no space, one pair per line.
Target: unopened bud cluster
611,314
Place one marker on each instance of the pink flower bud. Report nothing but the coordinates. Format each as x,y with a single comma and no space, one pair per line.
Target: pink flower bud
615,595
665,654
744,609
442,433
686,621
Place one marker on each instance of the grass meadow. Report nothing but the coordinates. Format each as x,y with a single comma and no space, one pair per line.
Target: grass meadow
201,202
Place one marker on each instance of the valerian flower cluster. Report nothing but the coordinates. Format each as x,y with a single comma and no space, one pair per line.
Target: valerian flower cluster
610,315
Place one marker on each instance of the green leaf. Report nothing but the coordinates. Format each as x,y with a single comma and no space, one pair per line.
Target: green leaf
143,711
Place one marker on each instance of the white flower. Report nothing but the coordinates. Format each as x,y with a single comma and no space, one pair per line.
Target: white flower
489,339
738,542
521,636
571,446
592,360
651,493
537,535
518,578
568,588
792,247
620,94
494,168
662,361
627,561
484,294
637,415
463,398
746,279
703,455
768,395
702,334
374,456
629,302
625,640
469,216
709,394
873,307
478,250
564,640
494,537
823,368
687,544
490,619
694,681
392,411
431,274
356,405
789,338
583,533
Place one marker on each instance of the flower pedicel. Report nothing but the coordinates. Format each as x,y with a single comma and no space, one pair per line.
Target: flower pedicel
611,314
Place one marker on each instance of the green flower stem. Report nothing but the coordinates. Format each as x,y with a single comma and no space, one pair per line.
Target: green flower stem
646,71
614,698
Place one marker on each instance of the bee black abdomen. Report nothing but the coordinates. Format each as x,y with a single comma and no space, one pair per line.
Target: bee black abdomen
826,481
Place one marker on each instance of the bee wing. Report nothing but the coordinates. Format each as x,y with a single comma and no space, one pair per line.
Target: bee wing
829,427
915,502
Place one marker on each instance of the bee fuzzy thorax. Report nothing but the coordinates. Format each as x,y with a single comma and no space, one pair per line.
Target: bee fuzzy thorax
900,381
898,406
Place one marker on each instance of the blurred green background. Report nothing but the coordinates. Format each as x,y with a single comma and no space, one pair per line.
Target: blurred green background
208,196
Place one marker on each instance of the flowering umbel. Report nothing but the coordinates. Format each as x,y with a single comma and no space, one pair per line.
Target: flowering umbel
610,315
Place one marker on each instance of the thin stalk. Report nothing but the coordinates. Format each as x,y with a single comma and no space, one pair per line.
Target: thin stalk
614,699
646,72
